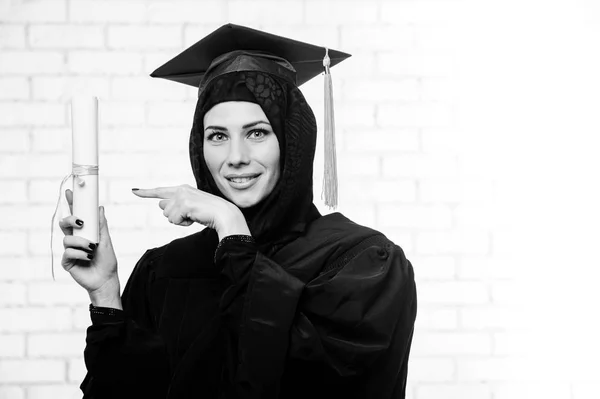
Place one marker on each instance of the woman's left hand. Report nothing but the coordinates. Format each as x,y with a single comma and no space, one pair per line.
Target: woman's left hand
184,205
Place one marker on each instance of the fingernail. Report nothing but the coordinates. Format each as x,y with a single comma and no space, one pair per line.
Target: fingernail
90,256
93,246
79,222
134,189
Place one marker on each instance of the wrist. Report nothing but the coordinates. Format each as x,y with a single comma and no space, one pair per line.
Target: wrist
232,223
108,295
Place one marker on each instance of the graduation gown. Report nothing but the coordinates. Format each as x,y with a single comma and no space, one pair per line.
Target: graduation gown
329,313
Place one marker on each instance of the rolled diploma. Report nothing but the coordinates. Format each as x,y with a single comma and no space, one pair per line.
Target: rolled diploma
84,124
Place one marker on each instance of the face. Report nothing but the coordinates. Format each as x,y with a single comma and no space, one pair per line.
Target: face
241,151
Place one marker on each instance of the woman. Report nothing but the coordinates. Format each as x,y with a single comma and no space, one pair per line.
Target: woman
272,300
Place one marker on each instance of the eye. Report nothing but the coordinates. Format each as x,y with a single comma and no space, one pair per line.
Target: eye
257,134
217,137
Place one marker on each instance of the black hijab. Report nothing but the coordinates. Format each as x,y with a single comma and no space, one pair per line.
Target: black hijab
285,212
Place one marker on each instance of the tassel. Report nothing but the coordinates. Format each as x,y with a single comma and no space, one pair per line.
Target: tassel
330,183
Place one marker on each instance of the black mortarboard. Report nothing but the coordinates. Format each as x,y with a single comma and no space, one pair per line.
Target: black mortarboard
190,66
234,48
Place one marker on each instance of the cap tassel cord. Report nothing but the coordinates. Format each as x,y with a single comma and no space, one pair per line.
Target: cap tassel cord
330,181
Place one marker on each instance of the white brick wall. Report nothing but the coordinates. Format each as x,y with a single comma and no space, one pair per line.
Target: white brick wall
440,113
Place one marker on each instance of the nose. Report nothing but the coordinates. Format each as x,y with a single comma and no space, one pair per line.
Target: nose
238,153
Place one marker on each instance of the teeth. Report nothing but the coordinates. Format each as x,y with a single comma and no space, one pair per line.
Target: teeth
241,179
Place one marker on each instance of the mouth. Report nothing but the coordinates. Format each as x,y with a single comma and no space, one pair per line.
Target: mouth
242,181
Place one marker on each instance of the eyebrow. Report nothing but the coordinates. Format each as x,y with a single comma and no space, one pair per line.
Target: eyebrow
246,126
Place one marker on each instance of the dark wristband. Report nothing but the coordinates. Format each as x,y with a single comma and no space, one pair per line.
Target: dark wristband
101,315
235,237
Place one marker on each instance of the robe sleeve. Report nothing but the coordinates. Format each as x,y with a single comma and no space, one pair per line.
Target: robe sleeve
124,355
355,320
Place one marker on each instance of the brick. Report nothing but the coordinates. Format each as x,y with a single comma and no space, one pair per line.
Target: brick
12,294
435,267
55,293
81,314
66,36
456,190
381,141
483,216
376,37
440,89
53,391
253,13
14,88
142,37
111,11
35,11
116,113
510,292
453,292
441,140
482,268
494,317
362,64
35,319
358,165
402,238
416,64
513,369
12,392
454,391
13,243
34,216
522,343
162,12
26,268
32,114
131,215
387,191
63,88
144,89
436,36
144,139
419,166
26,63
435,217
13,192
76,371
15,371
12,345
104,63
556,390
414,115
12,36
341,12
431,318
14,140
381,90
351,115
55,345
398,12
464,242
48,140
325,35
452,343
171,113
432,369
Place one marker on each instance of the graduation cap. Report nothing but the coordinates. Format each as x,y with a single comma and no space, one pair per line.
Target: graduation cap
254,50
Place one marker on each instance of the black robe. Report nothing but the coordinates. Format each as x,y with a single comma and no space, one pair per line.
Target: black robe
330,313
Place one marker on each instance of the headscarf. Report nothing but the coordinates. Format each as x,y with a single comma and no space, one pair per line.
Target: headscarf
285,212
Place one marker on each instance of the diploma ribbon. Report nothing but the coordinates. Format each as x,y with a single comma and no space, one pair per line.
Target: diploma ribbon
76,172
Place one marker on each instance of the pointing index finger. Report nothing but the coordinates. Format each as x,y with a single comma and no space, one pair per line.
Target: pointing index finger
158,192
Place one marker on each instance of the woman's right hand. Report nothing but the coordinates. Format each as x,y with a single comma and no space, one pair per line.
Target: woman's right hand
92,265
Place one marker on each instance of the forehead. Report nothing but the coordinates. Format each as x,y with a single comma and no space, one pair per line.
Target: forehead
234,113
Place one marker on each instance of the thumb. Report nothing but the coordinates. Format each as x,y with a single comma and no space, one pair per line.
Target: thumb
104,235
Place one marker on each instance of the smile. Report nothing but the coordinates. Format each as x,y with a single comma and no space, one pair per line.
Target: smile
241,181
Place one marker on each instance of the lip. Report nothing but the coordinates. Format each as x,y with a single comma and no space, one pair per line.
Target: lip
242,185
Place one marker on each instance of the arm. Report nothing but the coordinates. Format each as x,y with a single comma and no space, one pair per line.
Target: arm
124,356
348,320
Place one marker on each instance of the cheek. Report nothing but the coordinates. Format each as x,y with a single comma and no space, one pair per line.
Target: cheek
211,157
